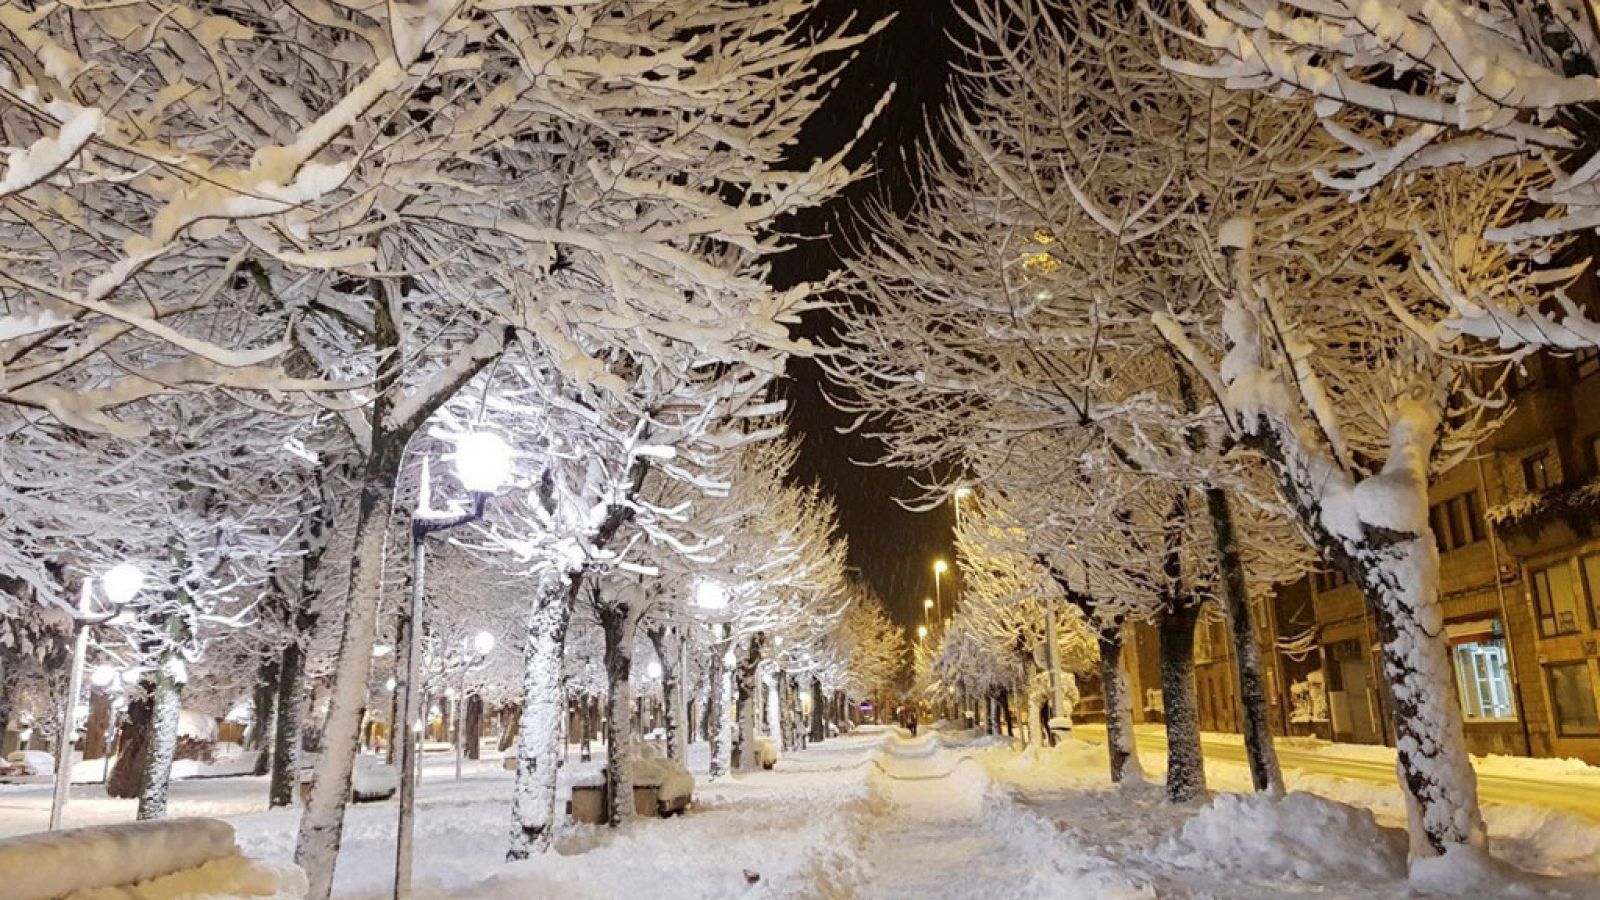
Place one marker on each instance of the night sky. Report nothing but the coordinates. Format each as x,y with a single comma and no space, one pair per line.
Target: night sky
893,548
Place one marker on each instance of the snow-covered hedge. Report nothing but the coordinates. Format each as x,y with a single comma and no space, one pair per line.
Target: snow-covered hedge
55,864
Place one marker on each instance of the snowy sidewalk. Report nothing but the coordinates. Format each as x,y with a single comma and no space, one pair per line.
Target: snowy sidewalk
950,833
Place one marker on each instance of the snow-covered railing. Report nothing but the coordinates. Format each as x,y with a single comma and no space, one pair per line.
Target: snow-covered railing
54,864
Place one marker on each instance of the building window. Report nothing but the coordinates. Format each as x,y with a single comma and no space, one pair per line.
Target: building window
1457,522
1591,579
1536,472
1554,599
1573,696
1483,671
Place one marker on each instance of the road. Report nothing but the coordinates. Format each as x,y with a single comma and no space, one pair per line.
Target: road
1573,793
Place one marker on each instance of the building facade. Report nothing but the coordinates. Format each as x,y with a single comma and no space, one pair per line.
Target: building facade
1515,522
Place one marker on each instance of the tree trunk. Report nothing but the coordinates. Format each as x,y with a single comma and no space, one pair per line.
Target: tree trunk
263,705
819,726
96,728
1186,773
617,623
746,759
291,705
163,742
127,775
322,824
716,700
533,798
1120,740
667,644
1265,773
474,726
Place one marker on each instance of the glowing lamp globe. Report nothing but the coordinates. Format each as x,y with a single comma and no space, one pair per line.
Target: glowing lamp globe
122,583
927,603
483,462
710,595
653,669
940,566
922,631
483,642
102,676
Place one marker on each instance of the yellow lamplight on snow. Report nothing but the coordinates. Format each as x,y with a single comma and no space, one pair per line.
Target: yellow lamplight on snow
1041,263
483,462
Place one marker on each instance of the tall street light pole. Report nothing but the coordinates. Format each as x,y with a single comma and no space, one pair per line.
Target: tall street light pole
483,463
939,568
120,585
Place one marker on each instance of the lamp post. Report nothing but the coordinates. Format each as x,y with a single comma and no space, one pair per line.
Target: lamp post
483,463
482,644
711,601
120,584
939,568
961,494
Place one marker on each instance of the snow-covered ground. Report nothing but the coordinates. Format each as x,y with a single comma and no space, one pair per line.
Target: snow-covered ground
877,814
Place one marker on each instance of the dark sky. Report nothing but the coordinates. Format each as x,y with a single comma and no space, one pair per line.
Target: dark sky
894,549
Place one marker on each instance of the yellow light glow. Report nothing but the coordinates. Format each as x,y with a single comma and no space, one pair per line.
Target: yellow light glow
922,632
940,566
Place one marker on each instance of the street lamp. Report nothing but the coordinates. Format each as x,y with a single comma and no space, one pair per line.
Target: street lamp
652,670
961,494
927,610
120,584
939,568
483,464
922,632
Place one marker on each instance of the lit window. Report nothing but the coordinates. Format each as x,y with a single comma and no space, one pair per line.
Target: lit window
1554,599
1483,674
1573,695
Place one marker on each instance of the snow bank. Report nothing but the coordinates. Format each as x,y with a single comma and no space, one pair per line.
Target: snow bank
373,780
1059,866
36,762
221,879
1316,839
1465,871
675,781
47,865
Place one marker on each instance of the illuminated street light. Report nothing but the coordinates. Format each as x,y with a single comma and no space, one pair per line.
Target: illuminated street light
939,568
483,465
922,632
102,676
483,642
709,595
122,582
653,669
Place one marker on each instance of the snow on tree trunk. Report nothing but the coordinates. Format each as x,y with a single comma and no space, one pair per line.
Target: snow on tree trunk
617,623
127,774
1265,773
533,797
165,710
1186,773
774,713
819,728
667,643
716,700
1120,742
746,759
322,825
785,712
286,735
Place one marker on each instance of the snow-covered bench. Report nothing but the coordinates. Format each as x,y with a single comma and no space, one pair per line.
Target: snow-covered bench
171,857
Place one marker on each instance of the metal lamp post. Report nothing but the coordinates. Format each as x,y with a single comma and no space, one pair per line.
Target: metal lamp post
483,464
939,568
120,584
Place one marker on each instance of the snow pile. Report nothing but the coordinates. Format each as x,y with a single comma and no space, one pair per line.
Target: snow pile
47,865
34,762
229,878
1059,866
674,780
1465,871
373,780
1316,839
